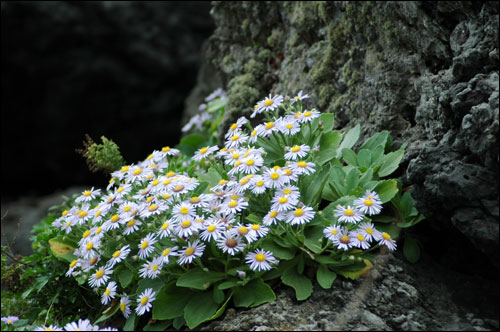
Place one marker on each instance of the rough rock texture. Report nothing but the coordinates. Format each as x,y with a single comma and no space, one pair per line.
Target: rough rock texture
116,68
426,71
396,296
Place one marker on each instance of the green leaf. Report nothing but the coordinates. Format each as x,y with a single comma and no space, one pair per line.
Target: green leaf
406,202
392,230
200,308
314,235
411,249
349,157
312,186
328,144
300,283
253,294
379,139
325,277
199,279
327,119
366,177
218,295
131,322
352,180
125,276
158,326
171,301
189,144
211,176
62,247
216,105
364,158
390,163
220,311
155,284
349,275
108,313
377,155
349,140
254,219
336,180
228,284
278,251
178,322
200,189
386,190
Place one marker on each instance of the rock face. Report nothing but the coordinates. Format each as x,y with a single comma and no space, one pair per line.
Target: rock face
426,71
120,69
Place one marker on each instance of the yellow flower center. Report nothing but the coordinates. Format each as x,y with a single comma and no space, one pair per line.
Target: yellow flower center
302,164
144,245
165,149
268,102
344,239
89,246
150,156
116,254
254,132
126,208
153,207
68,224
296,148
165,225
144,300
195,200
348,212
287,191
222,181
235,138
298,213
86,234
369,231
178,188
273,214
137,171
255,227
203,150
122,306
82,214
155,267
298,115
274,176
119,190
9,321
99,274
243,230
107,292
269,125
155,182
124,169
259,183
65,212
288,171
149,199
250,162
131,223
334,232
231,243
165,252
232,204
98,213
73,263
368,202
185,223
307,114
386,236
87,193
98,230
360,237
166,182
238,163
115,218
260,257
170,174
235,197
234,126
166,196
184,210
244,181
283,200
211,228
93,260
189,251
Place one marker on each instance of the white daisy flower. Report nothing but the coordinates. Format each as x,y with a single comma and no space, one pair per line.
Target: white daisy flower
89,248
138,173
100,277
387,241
113,223
118,256
85,237
272,217
234,206
120,174
88,195
49,328
244,183
260,260
125,306
186,227
212,230
302,167
152,269
72,266
191,251
274,178
288,125
131,226
349,214
343,240
254,135
167,252
144,301
258,185
236,140
123,190
369,231
204,152
299,96
308,116
283,203
332,232
154,209
166,228
108,202
109,293
359,240
146,246
81,215
251,164
270,103
96,214
231,243
244,232
300,215
235,127
369,204
89,264
265,130
297,151
258,230
82,325
183,211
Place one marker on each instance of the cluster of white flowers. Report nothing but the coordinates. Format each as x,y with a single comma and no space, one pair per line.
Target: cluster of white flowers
80,325
152,200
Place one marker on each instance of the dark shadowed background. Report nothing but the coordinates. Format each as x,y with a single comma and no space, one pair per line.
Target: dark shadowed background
119,69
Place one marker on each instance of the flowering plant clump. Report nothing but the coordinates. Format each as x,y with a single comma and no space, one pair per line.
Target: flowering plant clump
181,234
